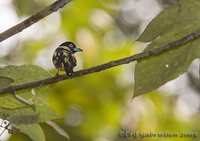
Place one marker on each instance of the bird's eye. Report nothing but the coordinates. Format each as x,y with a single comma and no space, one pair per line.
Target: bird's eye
70,45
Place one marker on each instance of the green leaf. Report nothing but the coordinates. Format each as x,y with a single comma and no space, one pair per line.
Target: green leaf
27,115
20,75
171,24
25,73
34,131
175,21
5,81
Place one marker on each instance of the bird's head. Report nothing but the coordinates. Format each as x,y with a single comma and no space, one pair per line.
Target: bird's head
70,47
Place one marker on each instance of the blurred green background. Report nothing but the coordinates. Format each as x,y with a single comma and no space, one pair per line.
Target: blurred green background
99,107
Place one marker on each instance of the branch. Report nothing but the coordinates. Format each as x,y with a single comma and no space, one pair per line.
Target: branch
139,56
33,19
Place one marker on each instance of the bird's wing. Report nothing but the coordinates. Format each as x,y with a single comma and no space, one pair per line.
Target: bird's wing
68,63
72,60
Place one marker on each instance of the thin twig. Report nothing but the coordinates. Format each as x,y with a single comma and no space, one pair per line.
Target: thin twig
105,66
33,19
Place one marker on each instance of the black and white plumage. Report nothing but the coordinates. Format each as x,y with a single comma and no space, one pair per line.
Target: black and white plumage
64,59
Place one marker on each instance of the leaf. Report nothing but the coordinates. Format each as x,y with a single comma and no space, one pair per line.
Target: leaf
20,75
175,21
25,73
5,81
170,25
26,115
34,131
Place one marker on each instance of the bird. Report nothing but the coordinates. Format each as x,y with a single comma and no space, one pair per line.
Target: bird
64,58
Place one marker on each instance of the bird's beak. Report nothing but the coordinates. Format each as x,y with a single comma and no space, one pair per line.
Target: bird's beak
77,49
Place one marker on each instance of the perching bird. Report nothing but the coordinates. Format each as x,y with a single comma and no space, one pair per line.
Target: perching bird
64,59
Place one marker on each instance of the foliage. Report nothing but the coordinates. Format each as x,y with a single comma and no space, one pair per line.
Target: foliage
22,116
179,21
